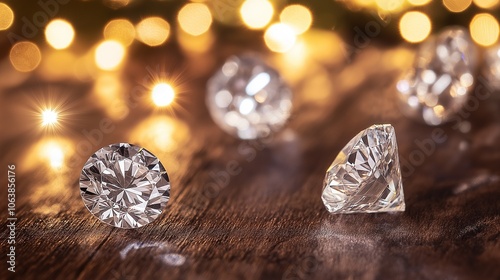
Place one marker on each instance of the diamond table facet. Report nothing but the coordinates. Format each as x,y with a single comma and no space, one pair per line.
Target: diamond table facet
366,175
124,185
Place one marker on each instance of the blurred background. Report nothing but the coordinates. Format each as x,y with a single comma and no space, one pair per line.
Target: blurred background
78,75
148,52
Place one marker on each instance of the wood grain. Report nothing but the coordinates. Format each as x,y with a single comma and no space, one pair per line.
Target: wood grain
266,220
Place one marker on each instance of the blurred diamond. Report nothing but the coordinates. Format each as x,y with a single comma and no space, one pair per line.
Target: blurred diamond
124,185
492,69
248,99
366,176
442,78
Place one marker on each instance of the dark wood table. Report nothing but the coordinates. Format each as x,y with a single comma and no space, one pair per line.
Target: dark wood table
248,210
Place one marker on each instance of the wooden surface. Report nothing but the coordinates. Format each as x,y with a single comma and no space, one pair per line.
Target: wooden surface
265,220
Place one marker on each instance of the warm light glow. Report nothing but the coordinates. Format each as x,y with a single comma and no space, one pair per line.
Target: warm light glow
298,17
224,11
49,154
25,56
116,4
160,134
153,31
110,94
390,5
195,44
49,117
163,94
484,29
56,156
53,153
109,55
419,2
280,37
120,30
364,3
6,16
256,14
486,4
415,26
195,18
55,65
59,34
457,6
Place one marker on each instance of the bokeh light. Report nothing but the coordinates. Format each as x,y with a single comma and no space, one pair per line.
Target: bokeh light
160,134
25,56
280,37
224,11
195,18
55,65
48,154
163,94
486,4
116,4
6,16
193,45
109,55
153,31
110,92
364,3
256,14
484,29
121,30
52,152
49,117
419,2
298,17
457,6
390,5
59,34
415,26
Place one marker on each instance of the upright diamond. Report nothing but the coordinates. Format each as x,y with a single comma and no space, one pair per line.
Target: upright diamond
366,176
124,185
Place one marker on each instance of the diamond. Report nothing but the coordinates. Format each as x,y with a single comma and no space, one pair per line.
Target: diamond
247,98
124,186
492,67
366,175
442,78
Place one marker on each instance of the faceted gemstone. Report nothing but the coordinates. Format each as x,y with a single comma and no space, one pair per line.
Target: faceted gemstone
248,99
366,175
124,185
442,77
492,69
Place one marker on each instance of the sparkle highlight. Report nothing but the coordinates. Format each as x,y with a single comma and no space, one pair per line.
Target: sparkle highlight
49,117
163,94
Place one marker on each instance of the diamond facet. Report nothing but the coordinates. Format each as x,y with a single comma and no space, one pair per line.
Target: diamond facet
366,175
247,98
124,185
442,78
